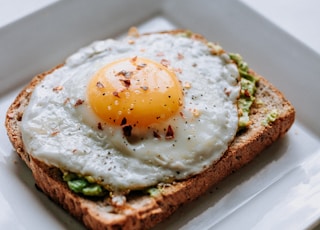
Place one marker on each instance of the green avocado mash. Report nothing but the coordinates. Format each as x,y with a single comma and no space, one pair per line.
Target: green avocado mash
83,185
271,117
154,192
248,88
87,186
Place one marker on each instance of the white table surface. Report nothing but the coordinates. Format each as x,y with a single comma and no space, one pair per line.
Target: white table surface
300,18
297,17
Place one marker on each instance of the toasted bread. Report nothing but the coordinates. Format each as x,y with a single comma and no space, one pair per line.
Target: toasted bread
143,211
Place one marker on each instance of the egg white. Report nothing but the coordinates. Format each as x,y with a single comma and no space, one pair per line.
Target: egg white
59,127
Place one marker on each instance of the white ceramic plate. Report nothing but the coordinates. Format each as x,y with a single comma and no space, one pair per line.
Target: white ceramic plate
278,190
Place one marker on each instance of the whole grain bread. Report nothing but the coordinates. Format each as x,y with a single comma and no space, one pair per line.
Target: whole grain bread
143,211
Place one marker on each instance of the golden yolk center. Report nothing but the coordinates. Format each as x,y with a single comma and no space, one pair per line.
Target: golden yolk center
134,91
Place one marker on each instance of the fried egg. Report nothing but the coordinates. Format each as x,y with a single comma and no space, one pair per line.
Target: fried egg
135,112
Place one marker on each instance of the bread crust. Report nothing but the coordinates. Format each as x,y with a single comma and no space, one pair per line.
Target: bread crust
143,211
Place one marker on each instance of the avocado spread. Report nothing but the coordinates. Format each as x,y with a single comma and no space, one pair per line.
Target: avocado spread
271,117
248,88
88,187
83,185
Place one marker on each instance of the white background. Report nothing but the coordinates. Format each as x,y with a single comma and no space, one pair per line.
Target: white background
300,18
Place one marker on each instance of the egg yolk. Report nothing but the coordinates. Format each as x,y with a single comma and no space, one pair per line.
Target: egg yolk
134,91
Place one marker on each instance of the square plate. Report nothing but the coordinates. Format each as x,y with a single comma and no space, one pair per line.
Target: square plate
279,189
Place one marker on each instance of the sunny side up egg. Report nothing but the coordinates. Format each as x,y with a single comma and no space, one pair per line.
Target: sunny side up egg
135,112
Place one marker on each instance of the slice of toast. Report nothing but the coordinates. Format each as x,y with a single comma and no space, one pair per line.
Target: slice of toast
143,211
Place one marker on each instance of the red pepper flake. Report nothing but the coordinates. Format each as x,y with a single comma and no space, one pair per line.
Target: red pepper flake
126,74
246,93
126,82
227,92
100,126
169,133
55,133
156,135
99,85
165,62
57,88
127,129
116,94
134,59
180,56
124,121
79,102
